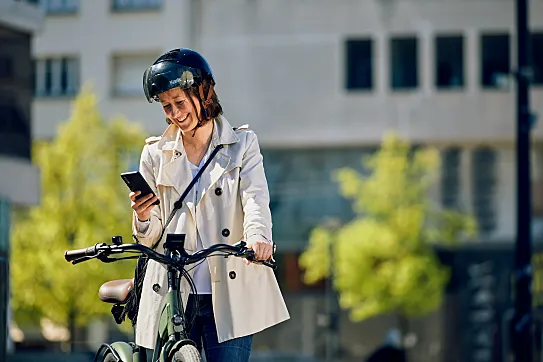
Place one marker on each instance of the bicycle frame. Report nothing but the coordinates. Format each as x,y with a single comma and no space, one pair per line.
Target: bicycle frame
171,331
171,334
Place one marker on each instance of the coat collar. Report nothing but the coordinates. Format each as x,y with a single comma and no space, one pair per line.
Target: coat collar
223,134
175,170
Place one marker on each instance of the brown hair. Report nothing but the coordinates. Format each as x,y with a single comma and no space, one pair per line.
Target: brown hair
214,109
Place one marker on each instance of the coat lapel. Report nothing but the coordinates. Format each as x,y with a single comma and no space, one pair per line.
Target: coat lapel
175,171
224,135
177,174
218,166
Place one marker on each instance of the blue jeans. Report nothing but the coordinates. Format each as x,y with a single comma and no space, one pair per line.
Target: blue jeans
204,333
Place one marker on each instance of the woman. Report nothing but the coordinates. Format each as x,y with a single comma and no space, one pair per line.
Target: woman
229,203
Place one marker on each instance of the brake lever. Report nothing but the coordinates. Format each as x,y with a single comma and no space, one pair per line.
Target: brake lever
270,265
80,260
105,259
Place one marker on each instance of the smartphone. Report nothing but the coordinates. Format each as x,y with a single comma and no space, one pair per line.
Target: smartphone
135,182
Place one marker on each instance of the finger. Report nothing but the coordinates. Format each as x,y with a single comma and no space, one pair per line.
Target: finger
269,252
142,204
140,201
258,251
265,253
133,195
149,203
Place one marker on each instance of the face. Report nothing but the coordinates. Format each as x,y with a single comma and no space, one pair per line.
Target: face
179,109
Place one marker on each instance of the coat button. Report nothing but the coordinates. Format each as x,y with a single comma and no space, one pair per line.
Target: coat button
232,275
156,288
218,191
225,233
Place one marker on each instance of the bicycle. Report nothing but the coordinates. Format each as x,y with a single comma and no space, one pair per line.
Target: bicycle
172,341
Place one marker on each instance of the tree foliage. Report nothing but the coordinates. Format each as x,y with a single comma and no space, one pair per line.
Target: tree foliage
384,260
83,202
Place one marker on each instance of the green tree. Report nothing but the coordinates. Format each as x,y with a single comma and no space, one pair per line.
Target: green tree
384,259
83,201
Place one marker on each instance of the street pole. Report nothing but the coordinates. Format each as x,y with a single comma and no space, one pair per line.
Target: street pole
522,323
332,305
332,309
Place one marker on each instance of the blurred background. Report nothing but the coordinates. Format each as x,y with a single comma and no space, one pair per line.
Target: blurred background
321,82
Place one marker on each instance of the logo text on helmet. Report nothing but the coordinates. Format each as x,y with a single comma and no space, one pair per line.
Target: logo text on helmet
174,82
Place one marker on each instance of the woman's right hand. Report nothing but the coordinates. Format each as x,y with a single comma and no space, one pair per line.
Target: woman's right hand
143,205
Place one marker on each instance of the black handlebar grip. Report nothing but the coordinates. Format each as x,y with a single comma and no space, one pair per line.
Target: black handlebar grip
72,255
251,257
269,265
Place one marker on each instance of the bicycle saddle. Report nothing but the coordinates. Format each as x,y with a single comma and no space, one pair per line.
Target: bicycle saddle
115,291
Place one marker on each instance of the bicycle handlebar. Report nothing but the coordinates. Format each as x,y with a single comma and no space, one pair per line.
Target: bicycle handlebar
103,250
72,255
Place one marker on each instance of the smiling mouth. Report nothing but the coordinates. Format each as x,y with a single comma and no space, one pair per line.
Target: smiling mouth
182,120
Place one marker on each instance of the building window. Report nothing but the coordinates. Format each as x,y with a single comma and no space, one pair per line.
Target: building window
56,77
14,131
449,61
495,60
359,72
60,6
537,58
484,189
6,67
404,63
302,193
450,178
128,73
123,5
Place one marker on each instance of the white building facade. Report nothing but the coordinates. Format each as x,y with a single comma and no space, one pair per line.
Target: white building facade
320,82
315,79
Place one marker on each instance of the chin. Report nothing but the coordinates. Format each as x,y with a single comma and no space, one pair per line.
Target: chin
187,126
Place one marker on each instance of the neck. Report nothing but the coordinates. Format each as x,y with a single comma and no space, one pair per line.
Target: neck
201,137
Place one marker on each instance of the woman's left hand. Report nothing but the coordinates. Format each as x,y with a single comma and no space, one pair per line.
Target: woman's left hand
262,250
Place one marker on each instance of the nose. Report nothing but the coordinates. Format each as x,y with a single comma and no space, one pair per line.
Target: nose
176,111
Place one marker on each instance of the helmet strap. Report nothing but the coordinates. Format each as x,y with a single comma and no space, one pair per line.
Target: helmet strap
205,102
200,122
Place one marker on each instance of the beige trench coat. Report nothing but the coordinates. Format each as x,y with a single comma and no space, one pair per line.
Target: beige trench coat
250,302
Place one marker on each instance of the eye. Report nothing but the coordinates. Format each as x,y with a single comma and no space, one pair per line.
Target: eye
180,103
167,107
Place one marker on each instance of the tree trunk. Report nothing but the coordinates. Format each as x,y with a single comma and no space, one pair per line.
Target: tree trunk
72,309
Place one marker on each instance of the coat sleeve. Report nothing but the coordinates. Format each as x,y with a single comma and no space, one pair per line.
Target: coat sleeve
148,232
255,198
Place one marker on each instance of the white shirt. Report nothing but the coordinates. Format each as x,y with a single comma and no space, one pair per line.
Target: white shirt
202,276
